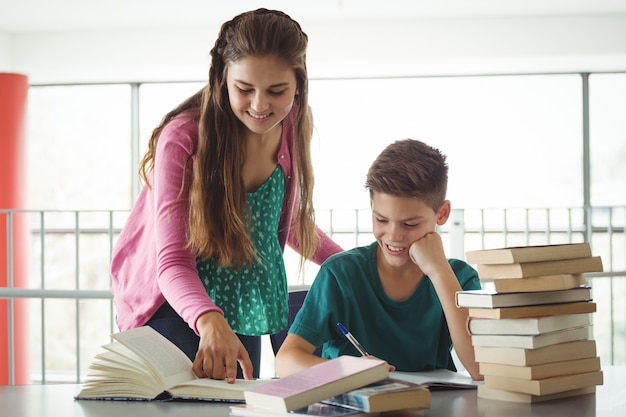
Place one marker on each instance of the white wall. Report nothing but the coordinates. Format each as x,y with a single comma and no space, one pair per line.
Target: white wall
378,48
5,55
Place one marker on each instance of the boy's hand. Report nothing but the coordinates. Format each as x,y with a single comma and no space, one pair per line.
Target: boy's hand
427,253
391,367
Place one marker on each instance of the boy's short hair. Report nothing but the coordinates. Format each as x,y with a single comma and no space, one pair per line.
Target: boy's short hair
410,168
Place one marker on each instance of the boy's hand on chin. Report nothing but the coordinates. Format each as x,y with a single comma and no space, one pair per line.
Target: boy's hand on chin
427,252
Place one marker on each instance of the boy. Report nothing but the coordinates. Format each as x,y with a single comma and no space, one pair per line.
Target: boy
396,295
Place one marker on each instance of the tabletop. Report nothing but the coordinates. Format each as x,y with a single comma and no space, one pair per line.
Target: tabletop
58,400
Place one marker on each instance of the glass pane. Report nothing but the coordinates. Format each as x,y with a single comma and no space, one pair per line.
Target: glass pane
155,101
511,141
607,113
78,153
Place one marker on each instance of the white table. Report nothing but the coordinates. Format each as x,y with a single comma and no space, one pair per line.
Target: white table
58,400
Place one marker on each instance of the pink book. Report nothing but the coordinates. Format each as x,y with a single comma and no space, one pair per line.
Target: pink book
317,383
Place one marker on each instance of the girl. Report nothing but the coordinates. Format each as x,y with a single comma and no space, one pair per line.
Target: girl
228,182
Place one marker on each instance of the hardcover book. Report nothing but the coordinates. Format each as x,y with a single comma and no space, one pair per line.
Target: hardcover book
386,395
533,311
519,397
542,371
531,341
545,386
533,269
533,284
317,383
492,299
141,364
527,325
527,357
517,254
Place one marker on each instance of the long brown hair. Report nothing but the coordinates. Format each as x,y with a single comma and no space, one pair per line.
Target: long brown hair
218,225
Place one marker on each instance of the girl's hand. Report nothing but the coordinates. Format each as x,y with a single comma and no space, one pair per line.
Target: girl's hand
220,350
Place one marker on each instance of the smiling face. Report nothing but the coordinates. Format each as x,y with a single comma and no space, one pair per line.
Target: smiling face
399,221
261,92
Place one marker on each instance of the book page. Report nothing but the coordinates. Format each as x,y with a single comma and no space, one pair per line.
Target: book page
121,364
438,378
117,352
214,389
163,356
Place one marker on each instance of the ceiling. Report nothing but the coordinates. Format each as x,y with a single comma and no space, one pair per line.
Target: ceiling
36,16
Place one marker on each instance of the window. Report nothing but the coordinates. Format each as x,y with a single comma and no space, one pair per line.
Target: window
607,97
511,141
78,148
514,146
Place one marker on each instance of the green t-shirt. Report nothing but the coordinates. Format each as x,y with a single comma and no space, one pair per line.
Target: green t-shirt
412,334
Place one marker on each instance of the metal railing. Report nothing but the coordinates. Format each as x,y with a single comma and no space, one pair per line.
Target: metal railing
56,308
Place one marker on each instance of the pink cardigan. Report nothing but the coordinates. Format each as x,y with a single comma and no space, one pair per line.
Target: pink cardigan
149,265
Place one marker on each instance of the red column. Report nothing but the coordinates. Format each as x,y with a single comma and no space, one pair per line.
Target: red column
13,96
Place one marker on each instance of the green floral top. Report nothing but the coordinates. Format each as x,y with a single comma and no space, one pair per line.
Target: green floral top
254,298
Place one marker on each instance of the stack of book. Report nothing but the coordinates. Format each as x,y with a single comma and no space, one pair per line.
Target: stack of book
531,322
344,386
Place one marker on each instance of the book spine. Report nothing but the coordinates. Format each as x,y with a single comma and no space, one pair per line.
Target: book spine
348,400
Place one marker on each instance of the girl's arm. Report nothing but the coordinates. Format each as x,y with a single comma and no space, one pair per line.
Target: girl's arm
219,349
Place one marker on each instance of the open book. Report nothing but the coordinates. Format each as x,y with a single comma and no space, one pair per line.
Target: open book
438,379
141,364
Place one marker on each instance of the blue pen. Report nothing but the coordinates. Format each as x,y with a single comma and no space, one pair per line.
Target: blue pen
352,340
